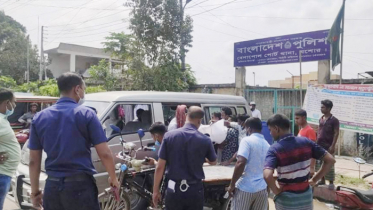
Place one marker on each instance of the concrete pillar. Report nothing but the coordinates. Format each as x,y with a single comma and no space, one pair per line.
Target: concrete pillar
72,62
323,73
240,81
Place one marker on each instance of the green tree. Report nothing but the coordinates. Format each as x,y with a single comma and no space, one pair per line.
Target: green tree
101,74
150,56
157,26
13,50
7,82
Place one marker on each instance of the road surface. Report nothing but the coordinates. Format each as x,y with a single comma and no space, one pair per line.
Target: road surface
10,205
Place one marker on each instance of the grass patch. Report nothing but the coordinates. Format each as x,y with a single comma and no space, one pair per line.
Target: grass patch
351,182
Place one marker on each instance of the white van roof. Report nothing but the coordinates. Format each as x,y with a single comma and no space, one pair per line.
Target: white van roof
166,97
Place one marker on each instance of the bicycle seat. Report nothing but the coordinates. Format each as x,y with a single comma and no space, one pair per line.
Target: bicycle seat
365,195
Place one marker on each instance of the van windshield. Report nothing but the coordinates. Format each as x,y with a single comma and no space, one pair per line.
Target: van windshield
99,106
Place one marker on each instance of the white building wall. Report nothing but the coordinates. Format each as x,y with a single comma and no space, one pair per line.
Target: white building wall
60,64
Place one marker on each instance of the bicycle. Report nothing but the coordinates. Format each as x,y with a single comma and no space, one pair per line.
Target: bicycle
119,199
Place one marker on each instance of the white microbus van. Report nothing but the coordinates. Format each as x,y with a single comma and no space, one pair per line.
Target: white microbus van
121,109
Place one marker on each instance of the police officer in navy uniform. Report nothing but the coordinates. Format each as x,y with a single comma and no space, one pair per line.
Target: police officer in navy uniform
182,155
66,131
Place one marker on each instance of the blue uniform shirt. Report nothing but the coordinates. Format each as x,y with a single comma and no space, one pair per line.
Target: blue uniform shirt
66,132
185,150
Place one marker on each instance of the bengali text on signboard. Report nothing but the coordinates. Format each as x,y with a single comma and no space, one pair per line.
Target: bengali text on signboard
283,49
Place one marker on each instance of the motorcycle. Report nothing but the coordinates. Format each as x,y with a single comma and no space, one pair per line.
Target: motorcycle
349,198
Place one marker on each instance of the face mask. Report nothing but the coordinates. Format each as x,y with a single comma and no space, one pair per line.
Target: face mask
9,112
81,100
157,143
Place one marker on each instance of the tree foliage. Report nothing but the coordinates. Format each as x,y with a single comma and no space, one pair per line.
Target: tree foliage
13,50
150,55
41,88
100,74
158,26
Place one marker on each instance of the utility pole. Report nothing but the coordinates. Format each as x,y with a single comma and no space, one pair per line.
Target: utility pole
340,79
41,54
182,38
28,60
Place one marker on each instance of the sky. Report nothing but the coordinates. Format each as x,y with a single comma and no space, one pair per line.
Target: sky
218,24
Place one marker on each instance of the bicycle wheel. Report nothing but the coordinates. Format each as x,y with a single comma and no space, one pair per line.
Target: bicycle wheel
108,202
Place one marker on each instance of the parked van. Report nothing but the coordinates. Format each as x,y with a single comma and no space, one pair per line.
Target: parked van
129,111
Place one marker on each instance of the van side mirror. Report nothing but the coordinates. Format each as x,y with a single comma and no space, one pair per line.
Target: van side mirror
115,128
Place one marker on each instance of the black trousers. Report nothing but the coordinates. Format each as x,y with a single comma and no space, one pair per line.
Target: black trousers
74,195
192,199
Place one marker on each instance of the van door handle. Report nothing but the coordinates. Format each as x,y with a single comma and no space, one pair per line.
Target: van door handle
97,161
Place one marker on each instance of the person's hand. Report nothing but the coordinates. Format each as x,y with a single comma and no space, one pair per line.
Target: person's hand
156,198
231,190
222,145
279,189
37,200
151,161
331,150
225,163
3,157
312,182
114,182
227,123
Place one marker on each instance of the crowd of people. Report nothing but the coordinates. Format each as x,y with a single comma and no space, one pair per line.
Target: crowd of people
292,157
66,131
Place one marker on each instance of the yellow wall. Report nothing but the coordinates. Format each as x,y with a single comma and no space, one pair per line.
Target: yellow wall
310,78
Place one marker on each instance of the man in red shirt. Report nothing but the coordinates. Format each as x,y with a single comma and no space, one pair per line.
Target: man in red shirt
306,131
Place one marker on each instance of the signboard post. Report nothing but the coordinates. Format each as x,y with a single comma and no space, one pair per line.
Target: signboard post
283,49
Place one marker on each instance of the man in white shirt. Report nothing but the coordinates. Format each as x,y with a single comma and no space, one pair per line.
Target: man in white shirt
254,112
248,187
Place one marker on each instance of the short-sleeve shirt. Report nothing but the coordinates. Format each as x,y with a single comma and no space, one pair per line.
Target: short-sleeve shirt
308,132
254,149
327,129
10,146
256,113
27,116
184,151
66,132
291,157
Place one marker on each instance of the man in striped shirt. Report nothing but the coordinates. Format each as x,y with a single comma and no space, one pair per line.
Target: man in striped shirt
291,157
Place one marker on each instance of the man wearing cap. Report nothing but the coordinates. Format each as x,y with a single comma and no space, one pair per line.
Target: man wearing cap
254,112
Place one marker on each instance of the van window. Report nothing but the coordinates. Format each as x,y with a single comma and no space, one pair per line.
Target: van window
99,106
241,110
169,111
129,118
211,109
